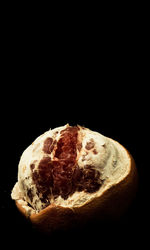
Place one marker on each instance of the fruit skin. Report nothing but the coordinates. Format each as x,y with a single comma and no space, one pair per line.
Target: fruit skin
109,206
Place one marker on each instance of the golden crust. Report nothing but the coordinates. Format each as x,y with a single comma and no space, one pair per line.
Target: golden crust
111,204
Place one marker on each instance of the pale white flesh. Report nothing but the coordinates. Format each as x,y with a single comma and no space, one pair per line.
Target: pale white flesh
109,157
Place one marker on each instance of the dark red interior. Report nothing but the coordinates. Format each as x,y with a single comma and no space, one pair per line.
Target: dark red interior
62,176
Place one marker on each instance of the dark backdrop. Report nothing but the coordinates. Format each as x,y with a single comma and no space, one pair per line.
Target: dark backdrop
109,108
101,85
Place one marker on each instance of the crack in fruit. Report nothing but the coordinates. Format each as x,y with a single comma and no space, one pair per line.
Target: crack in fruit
62,176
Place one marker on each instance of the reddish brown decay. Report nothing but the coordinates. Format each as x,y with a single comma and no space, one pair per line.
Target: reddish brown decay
90,144
62,176
49,145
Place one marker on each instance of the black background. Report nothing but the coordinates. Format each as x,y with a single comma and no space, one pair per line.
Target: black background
114,111
76,77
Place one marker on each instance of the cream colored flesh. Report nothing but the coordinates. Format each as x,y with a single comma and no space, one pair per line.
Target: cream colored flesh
109,157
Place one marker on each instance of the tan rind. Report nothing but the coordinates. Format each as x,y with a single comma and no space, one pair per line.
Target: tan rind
111,204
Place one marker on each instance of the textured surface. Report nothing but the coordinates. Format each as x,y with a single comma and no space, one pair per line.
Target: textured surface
109,205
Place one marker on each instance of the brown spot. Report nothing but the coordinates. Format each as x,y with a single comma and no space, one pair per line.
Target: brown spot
95,152
90,144
83,157
48,145
32,166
